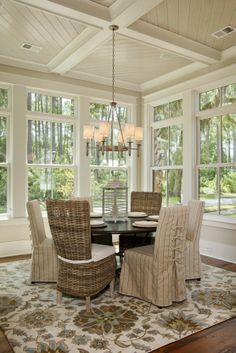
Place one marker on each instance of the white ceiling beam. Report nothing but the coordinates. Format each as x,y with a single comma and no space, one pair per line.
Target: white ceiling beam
171,76
161,38
125,12
78,50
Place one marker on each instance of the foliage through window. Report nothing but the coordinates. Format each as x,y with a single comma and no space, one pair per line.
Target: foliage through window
217,169
168,160
50,149
168,110
41,103
217,97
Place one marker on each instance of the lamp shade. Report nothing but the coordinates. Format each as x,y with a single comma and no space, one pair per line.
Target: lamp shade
138,134
88,132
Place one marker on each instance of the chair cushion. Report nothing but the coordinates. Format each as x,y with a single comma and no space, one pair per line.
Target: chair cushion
99,252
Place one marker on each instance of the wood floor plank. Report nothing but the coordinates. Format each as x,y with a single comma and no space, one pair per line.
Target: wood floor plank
219,338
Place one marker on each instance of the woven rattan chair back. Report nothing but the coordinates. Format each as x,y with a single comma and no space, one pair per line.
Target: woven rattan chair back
144,201
70,227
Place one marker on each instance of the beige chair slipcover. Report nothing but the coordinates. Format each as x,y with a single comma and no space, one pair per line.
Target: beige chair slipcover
193,259
44,259
156,273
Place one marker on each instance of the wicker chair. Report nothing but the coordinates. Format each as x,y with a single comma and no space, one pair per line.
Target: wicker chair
146,201
156,273
84,268
193,259
141,201
44,258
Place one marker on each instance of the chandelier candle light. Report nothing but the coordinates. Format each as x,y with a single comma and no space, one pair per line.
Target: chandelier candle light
104,134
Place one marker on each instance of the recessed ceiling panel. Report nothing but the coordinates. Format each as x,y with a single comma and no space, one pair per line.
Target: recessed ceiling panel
21,24
134,61
196,20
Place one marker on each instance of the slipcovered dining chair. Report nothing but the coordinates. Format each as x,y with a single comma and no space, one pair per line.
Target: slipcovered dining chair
156,273
141,201
85,269
44,258
192,258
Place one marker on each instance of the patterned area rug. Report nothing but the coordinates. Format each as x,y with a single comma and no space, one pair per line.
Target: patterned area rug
34,324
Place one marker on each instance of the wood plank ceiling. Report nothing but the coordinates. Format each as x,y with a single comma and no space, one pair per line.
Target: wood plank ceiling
158,40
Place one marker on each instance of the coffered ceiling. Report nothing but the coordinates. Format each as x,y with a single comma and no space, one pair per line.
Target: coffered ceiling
157,40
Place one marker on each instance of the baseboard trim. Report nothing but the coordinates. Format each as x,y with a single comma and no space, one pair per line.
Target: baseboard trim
14,248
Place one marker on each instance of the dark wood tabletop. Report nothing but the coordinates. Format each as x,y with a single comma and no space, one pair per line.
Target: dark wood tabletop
122,227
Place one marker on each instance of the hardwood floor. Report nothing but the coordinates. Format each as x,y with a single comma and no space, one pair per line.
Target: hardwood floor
216,339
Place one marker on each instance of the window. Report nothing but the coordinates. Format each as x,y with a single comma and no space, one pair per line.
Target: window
167,153
50,147
3,149
111,165
217,164
168,110
217,97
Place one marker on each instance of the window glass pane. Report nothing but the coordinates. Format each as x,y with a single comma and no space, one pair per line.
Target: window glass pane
209,136
39,142
208,189
3,98
176,144
37,102
229,138
50,142
62,143
3,190
39,183
229,94
160,184
3,139
210,99
63,183
52,183
176,108
100,178
174,187
161,112
228,191
161,146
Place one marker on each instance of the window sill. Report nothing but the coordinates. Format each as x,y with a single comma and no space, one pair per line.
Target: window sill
219,221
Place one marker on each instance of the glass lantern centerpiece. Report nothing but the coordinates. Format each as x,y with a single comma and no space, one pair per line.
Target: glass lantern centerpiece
115,202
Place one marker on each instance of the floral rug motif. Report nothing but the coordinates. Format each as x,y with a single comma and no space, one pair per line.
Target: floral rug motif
34,323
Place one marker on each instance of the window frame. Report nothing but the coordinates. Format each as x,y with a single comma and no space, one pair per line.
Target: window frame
7,113
129,160
172,121
57,118
206,114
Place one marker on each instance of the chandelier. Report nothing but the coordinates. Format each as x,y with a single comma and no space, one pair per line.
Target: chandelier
105,139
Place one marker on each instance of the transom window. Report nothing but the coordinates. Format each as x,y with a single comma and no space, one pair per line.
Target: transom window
217,97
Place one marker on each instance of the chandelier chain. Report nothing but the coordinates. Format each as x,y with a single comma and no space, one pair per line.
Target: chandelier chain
113,65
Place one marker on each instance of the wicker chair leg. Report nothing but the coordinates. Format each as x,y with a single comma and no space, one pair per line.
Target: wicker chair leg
88,304
59,297
112,285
